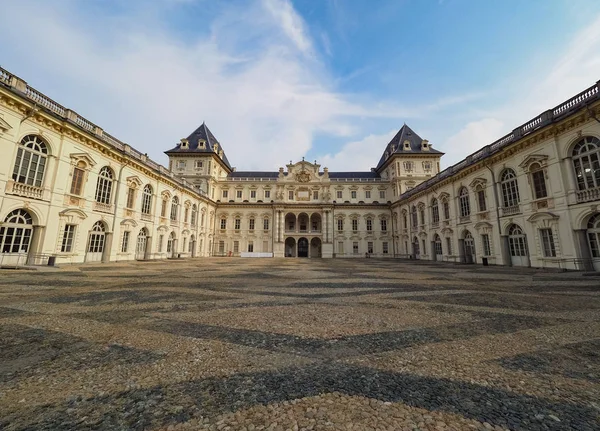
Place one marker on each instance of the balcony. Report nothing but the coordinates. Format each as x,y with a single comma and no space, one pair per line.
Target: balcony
146,217
588,195
102,207
25,190
435,224
174,223
511,210
464,219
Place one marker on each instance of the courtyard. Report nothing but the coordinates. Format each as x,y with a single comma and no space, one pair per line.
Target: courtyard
292,344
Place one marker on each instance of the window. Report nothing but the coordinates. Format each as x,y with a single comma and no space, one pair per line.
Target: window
517,241
225,194
238,194
354,225
435,211
265,224
538,179
198,163
463,202
446,206
370,247
422,214
163,208
353,194
186,213
147,199
67,239
381,194
340,224
510,188
368,194
191,246
339,194
267,194
194,215
424,249
291,195
223,224
237,224
369,224
130,197
104,185
202,217
547,242
385,247
355,247
236,246
161,240
481,200
415,221
404,221
183,246
408,166
251,224
125,243
427,166
383,225
170,241
315,195
252,194
174,208
448,246
77,181
30,163
97,237
487,249
586,162
340,247
437,245
221,247
250,247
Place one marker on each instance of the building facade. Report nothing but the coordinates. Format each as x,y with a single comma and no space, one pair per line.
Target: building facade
70,190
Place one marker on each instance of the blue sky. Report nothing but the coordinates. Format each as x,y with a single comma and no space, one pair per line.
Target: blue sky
330,80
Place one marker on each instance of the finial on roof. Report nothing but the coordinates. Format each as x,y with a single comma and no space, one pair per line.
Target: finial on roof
303,158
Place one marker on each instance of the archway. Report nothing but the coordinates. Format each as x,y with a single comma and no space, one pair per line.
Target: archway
517,244
303,222
415,246
315,247
302,247
15,237
593,237
469,247
290,223
171,245
315,223
96,242
290,247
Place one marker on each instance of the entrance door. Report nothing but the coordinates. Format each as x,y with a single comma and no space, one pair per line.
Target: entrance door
469,248
517,243
15,236
439,255
96,243
315,247
593,235
416,251
140,246
302,247
290,247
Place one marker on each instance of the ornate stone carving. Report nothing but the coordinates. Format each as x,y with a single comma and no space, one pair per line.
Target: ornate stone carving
303,176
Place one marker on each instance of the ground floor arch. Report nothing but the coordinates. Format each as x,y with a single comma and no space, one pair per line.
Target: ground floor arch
16,232
593,239
96,242
290,247
315,247
517,246
141,244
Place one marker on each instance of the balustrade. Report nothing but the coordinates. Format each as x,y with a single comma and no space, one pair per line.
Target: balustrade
588,195
102,207
511,210
26,190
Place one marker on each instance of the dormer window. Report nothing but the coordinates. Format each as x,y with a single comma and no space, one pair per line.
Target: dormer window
201,143
184,144
216,148
425,145
407,145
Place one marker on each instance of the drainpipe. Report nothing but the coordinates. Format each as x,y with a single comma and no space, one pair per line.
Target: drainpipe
497,202
117,192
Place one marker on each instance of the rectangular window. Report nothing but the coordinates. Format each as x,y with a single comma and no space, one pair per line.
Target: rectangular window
368,194
198,163
252,194
369,224
437,245
547,242
353,194
385,247
181,164
485,240
223,224
354,225
250,247
67,239
125,243
341,247
236,246
77,183
422,216
251,224
239,194
267,194
237,224
383,225
381,194
355,247
370,247
291,195
183,247
266,224
340,224
435,213
225,194
163,208
446,210
539,184
130,197
339,194
161,239
315,195
448,246
481,200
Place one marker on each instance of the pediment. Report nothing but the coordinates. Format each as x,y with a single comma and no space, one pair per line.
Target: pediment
4,126
478,182
129,222
73,212
134,181
533,158
82,157
545,215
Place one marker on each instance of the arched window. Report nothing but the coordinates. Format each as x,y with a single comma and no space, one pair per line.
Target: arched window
147,199
437,244
194,215
422,214
97,236
174,208
463,202
586,162
435,211
516,241
30,163
15,232
170,243
510,188
593,232
104,185
538,180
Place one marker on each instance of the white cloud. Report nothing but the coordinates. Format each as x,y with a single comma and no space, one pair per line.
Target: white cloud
359,155
470,138
291,23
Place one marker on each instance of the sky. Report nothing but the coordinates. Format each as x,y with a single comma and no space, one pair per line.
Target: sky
328,80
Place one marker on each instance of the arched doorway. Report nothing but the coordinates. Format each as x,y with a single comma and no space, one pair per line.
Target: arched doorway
192,246
315,223
469,247
437,244
517,244
171,245
15,237
290,247
96,242
302,247
303,222
315,247
415,247
593,236
140,246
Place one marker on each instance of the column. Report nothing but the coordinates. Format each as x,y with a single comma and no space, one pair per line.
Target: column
148,251
433,252
582,250
108,239
505,250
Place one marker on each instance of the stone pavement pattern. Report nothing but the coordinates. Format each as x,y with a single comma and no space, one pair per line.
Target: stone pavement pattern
239,344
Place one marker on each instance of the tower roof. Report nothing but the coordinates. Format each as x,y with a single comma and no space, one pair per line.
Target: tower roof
414,145
200,140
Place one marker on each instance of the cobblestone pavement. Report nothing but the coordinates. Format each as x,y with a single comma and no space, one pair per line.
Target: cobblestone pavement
274,344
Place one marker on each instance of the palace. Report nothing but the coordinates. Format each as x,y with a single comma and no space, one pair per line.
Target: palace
71,192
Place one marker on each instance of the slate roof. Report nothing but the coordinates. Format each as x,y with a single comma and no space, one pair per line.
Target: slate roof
396,145
253,174
369,174
201,133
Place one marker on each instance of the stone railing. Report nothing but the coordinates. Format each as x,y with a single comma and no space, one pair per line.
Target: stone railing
588,195
146,217
45,101
5,76
511,210
464,219
102,207
25,190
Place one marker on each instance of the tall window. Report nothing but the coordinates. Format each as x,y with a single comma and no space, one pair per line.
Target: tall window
446,206
384,225
355,247
223,224
593,234
415,221
435,211
353,194
404,221
370,247
449,246
267,194
67,239
340,224
174,208
125,243
547,242
369,224
516,241
586,162
30,163
265,223
381,194
538,178
186,213
252,194
251,224
15,232
130,197
385,247
250,246
194,215
510,188
481,200
147,199
237,224
104,185
238,194
354,225
422,214
485,240
77,180
463,202
437,244
97,237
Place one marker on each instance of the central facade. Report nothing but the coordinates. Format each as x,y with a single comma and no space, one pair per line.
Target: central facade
304,210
